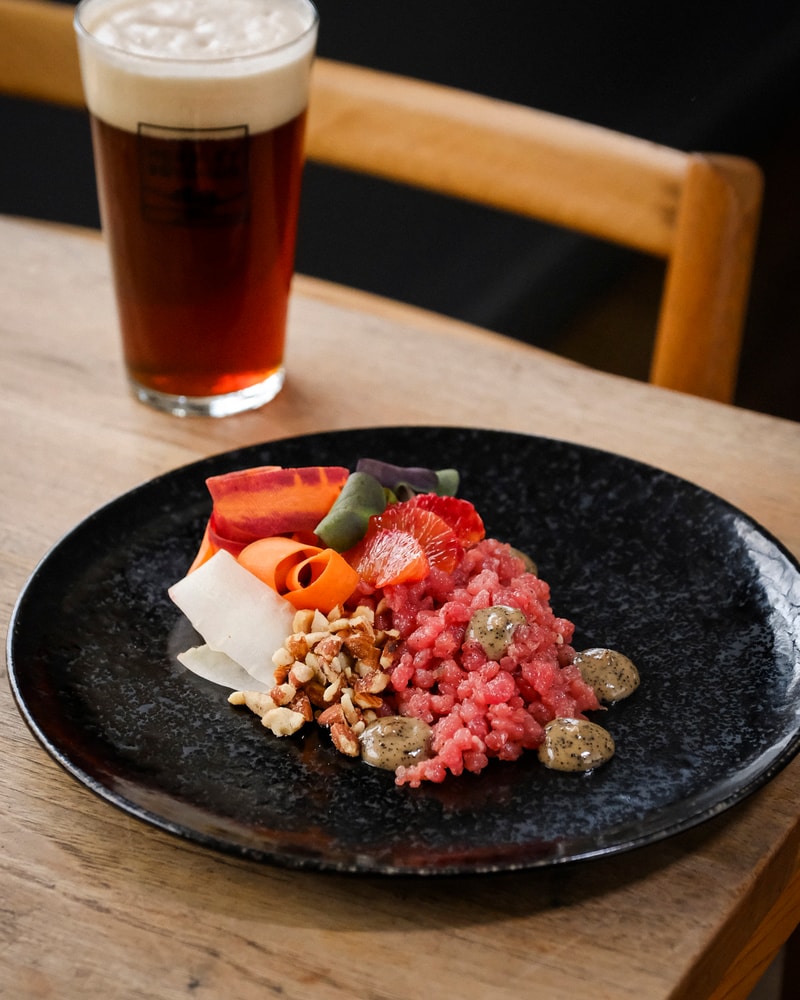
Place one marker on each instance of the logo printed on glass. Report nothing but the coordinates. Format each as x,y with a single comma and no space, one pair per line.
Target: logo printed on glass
194,177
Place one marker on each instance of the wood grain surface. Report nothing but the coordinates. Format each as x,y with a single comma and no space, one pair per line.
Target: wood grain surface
95,904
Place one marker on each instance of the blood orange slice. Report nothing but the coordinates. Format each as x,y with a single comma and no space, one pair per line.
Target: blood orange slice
459,514
438,540
390,550
387,556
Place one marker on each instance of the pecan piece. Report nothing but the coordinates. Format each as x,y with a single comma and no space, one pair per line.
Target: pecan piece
300,674
360,645
282,694
328,646
334,689
302,705
372,683
351,711
296,646
316,693
345,740
389,653
332,715
364,700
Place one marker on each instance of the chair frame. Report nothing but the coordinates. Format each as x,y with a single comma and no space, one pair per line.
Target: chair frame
698,212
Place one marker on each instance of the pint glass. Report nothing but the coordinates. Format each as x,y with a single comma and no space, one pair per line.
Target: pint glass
197,110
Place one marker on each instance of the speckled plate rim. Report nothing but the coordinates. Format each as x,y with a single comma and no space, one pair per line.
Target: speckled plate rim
707,805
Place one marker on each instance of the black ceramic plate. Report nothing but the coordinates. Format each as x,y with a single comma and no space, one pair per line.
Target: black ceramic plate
697,594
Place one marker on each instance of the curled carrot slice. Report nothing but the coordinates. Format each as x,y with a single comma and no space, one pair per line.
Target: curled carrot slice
271,559
321,581
306,575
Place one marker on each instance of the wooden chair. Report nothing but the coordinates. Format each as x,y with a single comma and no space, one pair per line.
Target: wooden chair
698,212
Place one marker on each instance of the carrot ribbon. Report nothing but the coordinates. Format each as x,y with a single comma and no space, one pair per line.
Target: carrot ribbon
306,575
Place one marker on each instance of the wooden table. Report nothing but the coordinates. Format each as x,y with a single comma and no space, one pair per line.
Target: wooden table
95,904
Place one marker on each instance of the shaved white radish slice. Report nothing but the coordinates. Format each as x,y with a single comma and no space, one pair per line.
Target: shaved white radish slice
219,668
235,613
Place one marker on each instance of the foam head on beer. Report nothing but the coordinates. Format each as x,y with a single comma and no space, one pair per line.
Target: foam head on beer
190,62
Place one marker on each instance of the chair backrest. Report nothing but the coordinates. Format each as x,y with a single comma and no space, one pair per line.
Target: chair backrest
698,212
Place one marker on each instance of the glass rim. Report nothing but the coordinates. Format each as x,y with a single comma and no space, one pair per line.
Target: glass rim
86,35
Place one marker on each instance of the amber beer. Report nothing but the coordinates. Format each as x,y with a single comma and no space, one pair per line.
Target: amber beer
202,235
199,161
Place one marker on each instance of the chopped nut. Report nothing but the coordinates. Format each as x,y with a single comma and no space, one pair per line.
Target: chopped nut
351,712
317,636
370,662
257,701
282,657
361,646
316,693
302,620
301,673
297,646
282,721
388,654
282,694
364,700
333,690
372,683
345,740
328,646
281,674
334,665
329,671
301,704
319,623
332,714
359,669
337,624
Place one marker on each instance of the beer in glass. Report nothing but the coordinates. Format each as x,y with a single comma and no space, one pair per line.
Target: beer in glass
197,111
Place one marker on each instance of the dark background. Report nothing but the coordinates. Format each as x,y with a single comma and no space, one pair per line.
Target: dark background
717,76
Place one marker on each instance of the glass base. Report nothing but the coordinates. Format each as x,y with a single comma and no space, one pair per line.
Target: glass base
225,405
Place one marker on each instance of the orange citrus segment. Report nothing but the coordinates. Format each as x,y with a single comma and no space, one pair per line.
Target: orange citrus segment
459,514
438,540
389,555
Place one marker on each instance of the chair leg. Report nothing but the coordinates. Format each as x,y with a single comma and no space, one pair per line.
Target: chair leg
790,981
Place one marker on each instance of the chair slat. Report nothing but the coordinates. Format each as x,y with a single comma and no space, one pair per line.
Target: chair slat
38,53
569,173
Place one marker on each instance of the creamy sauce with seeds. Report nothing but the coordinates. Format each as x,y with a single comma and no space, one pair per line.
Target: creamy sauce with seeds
393,740
493,628
575,745
610,674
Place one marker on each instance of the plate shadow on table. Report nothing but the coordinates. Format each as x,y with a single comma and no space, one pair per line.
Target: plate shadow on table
166,865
